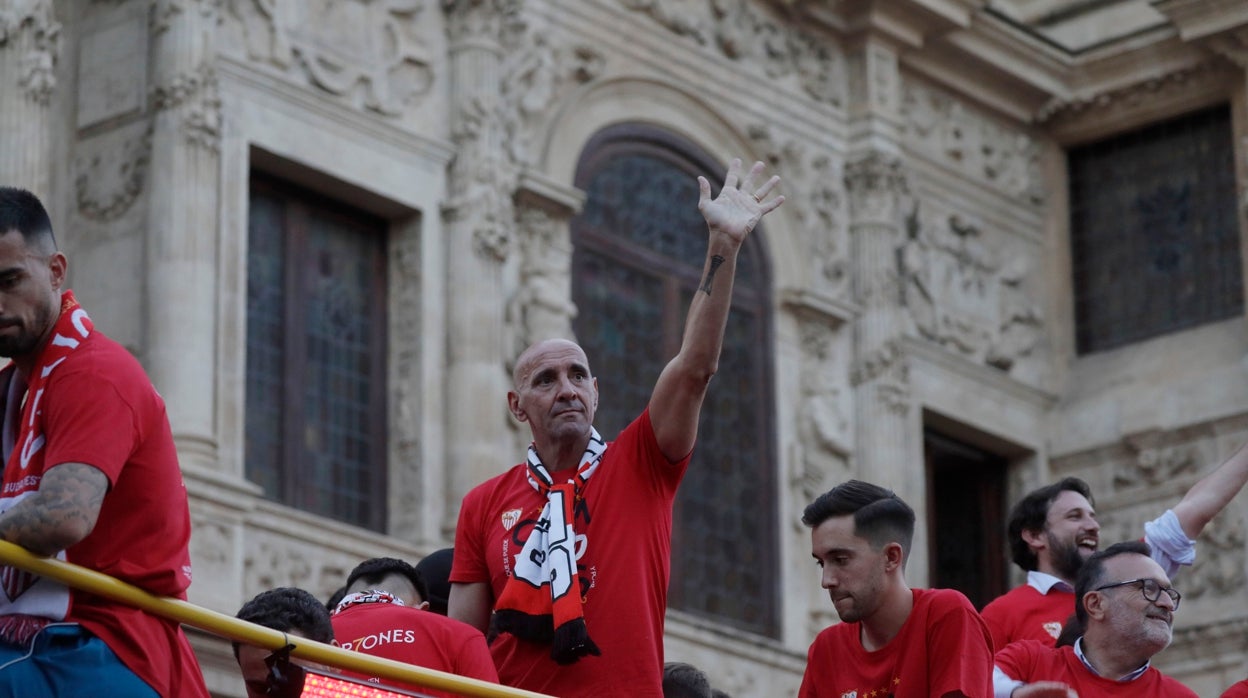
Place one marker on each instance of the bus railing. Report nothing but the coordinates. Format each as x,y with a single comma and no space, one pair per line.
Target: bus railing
248,633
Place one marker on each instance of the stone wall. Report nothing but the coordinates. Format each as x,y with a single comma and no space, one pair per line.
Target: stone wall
921,267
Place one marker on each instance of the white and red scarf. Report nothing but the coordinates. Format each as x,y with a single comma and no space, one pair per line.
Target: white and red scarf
367,596
29,602
542,600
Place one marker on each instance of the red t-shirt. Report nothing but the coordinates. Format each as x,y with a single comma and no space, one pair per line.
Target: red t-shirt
1238,690
410,635
1030,661
1023,613
99,408
943,646
624,538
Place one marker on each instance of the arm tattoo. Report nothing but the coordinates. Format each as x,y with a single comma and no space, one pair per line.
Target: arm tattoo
67,504
710,274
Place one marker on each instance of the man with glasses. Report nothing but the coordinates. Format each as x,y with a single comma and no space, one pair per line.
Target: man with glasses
1054,529
1126,607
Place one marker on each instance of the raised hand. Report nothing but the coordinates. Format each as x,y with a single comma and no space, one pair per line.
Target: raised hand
739,205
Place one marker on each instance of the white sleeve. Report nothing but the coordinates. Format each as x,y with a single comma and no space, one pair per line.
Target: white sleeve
1171,546
1002,685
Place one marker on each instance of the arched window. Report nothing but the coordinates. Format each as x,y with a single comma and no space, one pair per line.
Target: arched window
639,248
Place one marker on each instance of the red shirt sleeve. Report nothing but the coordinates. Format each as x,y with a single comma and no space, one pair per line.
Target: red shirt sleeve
97,427
961,648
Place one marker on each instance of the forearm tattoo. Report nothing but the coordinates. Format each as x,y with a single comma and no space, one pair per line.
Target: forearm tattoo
70,497
710,274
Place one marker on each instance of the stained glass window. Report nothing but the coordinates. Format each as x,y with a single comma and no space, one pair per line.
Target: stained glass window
640,245
1155,244
316,334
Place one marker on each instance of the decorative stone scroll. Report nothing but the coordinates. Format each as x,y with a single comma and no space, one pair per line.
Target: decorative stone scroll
108,180
373,55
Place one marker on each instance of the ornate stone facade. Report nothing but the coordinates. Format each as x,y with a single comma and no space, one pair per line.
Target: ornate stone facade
920,268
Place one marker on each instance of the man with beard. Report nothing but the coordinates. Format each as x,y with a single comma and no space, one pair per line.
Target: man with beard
91,477
1126,606
893,640
1053,530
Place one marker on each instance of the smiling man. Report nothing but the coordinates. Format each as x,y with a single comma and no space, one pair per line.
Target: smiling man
1126,605
566,556
893,640
1054,529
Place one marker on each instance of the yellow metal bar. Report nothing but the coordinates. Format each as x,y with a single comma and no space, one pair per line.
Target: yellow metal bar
242,631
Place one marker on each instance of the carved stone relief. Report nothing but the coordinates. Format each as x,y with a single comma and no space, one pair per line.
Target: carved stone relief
541,306
816,191
536,74
373,55
959,294
885,368
270,562
196,96
742,32
109,174
876,185
31,26
1153,461
1220,559
406,482
944,130
212,544
824,429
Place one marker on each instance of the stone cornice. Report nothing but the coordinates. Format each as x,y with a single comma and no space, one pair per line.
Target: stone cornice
1197,19
816,305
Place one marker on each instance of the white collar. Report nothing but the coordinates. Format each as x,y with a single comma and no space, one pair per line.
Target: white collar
1044,582
1129,677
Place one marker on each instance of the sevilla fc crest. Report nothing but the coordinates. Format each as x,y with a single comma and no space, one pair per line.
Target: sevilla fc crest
510,518
16,582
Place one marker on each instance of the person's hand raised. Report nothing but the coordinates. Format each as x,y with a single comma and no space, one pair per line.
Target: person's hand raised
740,204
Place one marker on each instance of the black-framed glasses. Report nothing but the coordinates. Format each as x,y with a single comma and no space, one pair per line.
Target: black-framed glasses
1151,589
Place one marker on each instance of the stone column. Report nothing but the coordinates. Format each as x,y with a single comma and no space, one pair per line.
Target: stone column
181,245
541,306
876,186
478,218
30,45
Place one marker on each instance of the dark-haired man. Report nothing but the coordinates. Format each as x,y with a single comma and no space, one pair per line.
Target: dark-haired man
893,640
268,674
383,614
91,477
579,606
1054,529
1126,607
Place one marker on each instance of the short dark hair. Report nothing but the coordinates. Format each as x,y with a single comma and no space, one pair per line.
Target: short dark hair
1092,574
288,609
880,516
681,680
22,211
374,570
435,572
1031,513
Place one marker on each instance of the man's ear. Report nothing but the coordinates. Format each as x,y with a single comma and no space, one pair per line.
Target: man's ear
58,266
1035,539
1094,603
513,406
894,556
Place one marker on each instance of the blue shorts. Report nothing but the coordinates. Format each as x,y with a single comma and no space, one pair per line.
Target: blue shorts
65,659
